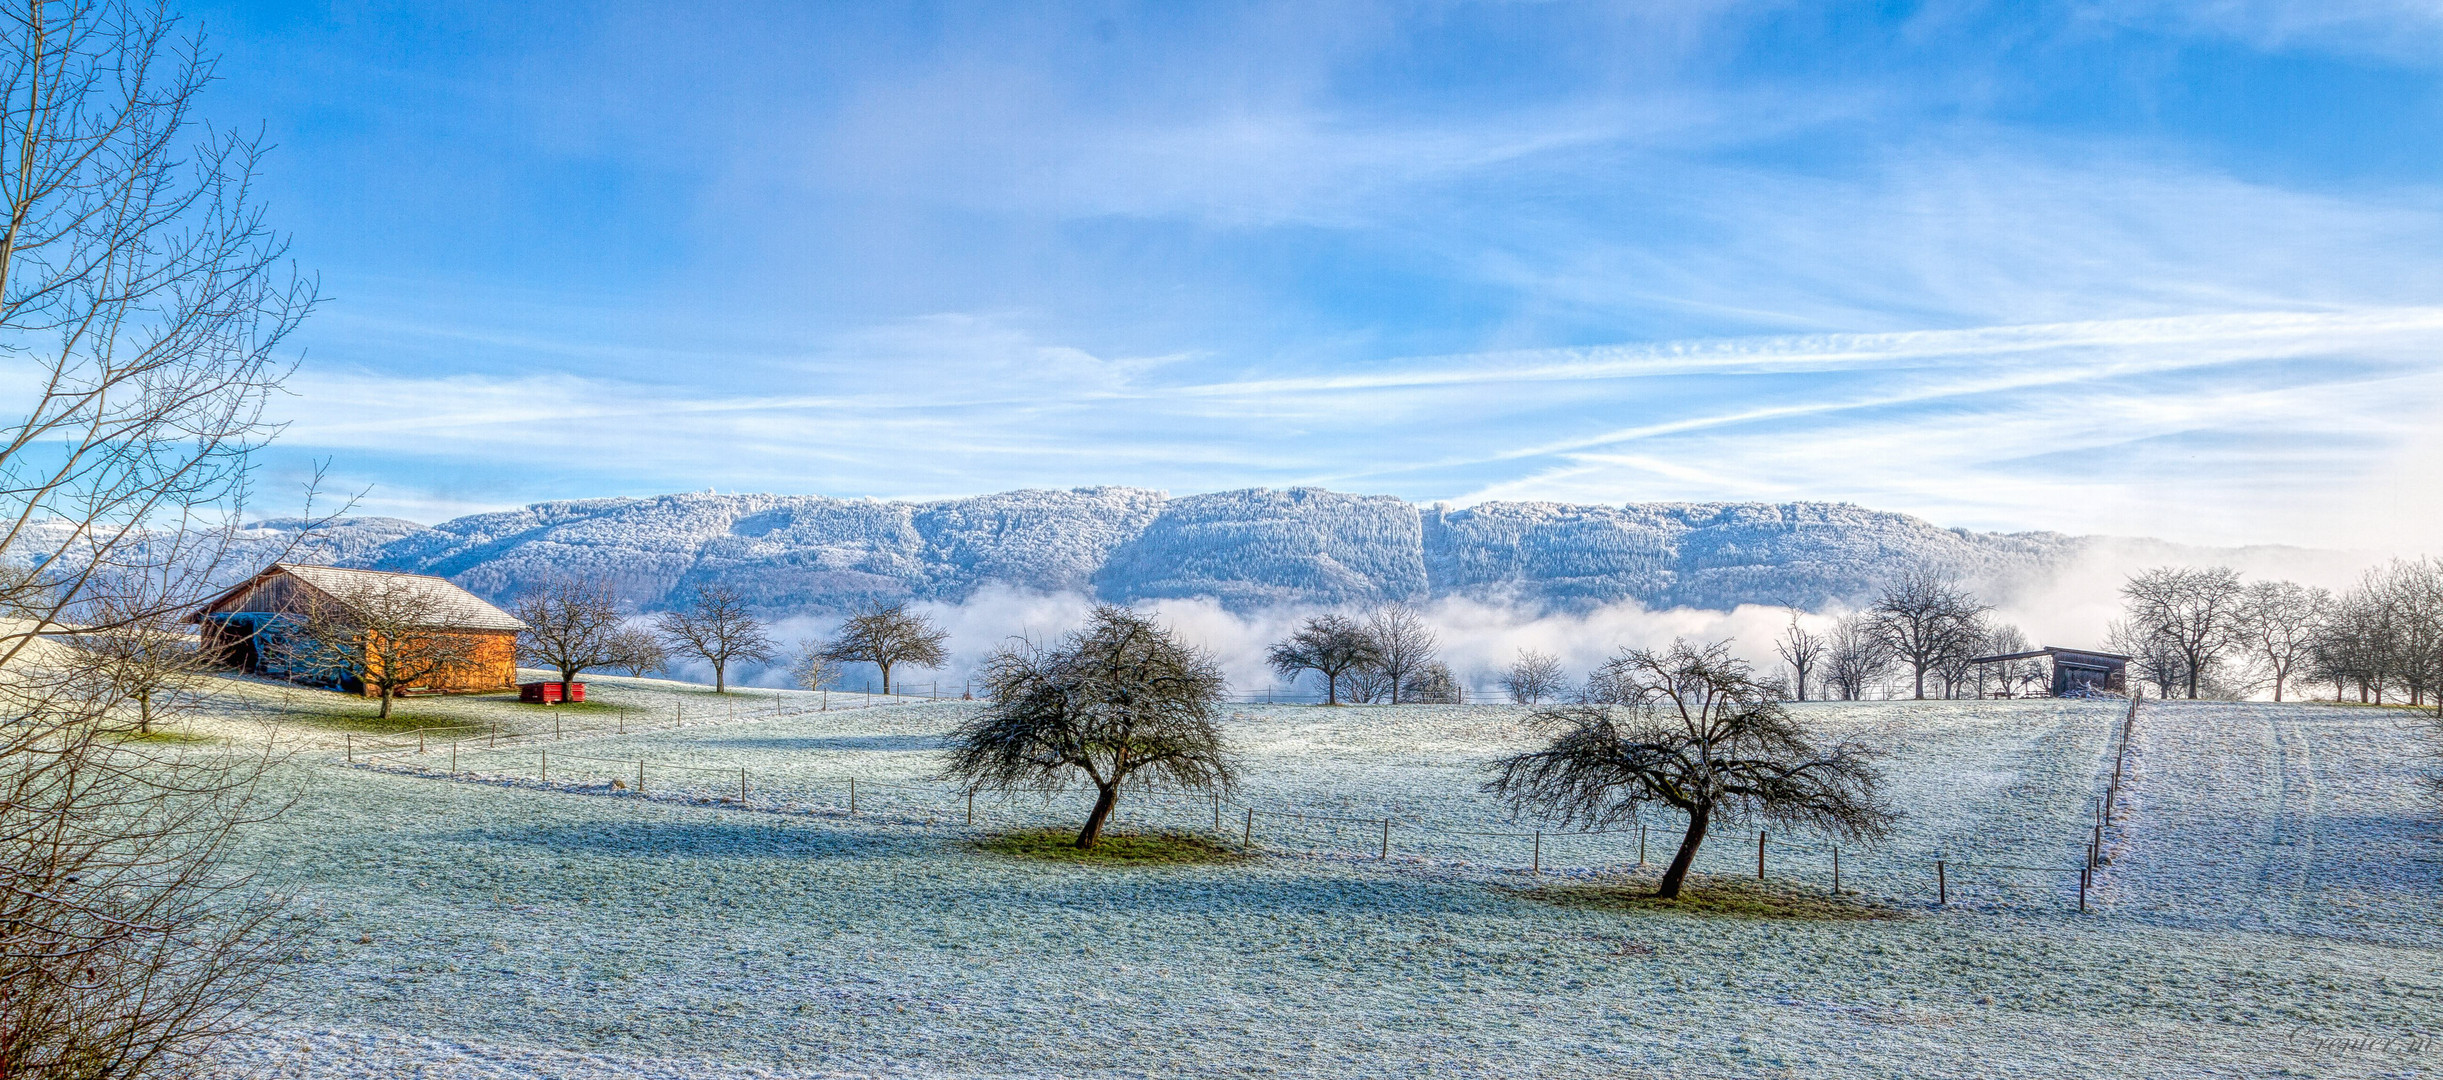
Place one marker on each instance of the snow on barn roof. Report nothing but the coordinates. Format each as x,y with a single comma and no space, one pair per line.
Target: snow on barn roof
461,610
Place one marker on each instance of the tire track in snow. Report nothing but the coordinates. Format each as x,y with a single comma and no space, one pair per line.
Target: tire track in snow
2218,797
2285,878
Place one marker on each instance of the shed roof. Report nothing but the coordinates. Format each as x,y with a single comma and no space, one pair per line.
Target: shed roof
461,610
2054,651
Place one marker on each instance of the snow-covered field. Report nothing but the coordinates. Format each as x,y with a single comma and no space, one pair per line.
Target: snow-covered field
2274,893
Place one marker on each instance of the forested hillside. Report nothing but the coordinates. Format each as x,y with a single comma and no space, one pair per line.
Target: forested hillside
1247,549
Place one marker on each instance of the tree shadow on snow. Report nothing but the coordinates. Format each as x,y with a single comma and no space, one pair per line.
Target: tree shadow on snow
648,839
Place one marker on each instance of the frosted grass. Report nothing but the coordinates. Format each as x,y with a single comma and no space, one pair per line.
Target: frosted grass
484,930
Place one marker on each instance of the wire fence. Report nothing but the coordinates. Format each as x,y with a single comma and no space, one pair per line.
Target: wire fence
536,760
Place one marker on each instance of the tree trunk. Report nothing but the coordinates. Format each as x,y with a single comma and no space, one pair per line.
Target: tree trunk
385,702
1331,688
720,677
1106,798
144,714
1678,871
1921,682
886,677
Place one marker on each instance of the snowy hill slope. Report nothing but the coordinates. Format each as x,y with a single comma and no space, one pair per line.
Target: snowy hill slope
1247,549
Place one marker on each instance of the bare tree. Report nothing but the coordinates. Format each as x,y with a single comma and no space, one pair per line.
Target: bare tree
571,624
141,657
1803,650
1854,658
1435,685
2410,593
637,651
1403,646
1925,620
1690,728
716,628
2283,622
1120,701
1365,686
1533,677
391,632
2014,676
1329,645
888,636
2153,657
2195,611
812,667
142,313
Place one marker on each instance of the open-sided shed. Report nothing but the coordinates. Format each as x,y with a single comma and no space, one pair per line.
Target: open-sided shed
2074,671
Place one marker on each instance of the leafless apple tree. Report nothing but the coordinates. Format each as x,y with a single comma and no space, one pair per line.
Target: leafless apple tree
1691,729
888,636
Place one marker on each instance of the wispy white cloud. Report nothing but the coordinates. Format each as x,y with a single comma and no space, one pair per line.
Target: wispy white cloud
2144,426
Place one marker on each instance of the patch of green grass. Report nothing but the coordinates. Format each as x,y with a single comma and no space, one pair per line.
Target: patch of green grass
1723,898
164,736
1113,849
572,708
370,722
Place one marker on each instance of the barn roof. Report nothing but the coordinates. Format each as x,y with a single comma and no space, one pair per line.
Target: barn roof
461,610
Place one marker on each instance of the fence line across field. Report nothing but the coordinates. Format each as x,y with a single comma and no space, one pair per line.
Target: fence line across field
1416,835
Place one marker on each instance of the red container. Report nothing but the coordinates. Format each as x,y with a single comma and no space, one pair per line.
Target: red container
550,693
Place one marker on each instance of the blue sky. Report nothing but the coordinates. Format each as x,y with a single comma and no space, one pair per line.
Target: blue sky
2164,269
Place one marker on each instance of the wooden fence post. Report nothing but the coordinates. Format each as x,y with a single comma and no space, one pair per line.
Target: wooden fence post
453,757
742,785
1386,851
1836,869
1942,884
640,776
852,795
1537,865
351,737
419,740
1248,839
546,766
1641,845
971,809
1760,854
2082,890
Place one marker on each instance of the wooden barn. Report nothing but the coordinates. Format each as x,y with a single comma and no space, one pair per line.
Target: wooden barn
2075,672
257,626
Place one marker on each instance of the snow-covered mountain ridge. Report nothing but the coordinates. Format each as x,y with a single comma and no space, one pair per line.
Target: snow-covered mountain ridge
1247,549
